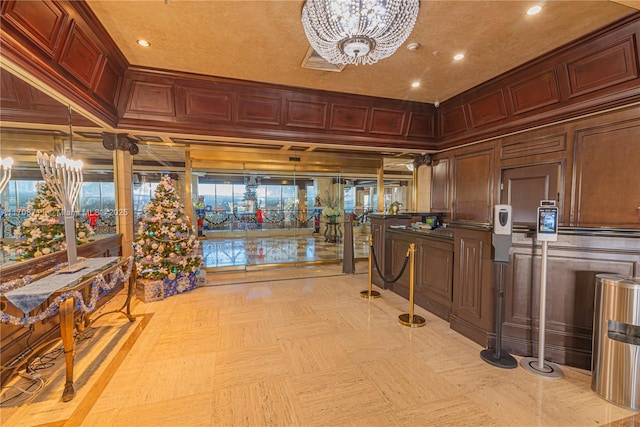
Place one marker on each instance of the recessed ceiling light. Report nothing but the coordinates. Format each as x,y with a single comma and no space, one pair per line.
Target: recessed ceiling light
459,56
534,10
415,84
143,43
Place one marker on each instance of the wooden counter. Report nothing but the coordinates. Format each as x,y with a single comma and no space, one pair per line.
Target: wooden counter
457,280
572,264
379,224
434,268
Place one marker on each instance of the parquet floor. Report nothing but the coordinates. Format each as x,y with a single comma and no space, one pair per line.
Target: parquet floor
298,347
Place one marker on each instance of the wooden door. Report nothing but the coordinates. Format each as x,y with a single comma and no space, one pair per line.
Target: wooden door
524,187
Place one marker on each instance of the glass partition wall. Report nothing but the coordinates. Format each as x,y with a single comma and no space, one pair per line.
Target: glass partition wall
256,218
96,201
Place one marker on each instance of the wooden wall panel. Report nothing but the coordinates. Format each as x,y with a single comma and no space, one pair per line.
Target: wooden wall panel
472,312
473,180
572,265
24,103
440,187
422,125
436,268
452,121
41,101
470,271
597,72
487,109
108,83
9,96
306,114
603,68
227,107
607,175
348,118
258,109
523,187
80,56
537,91
41,21
151,99
387,122
200,103
521,146
62,44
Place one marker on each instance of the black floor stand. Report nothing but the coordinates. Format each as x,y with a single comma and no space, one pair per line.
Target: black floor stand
495,356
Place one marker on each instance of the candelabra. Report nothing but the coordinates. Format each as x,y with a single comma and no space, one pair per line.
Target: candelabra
64,178
5,168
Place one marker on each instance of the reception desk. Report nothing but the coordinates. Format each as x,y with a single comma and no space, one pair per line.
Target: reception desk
457,280
380,223
434,267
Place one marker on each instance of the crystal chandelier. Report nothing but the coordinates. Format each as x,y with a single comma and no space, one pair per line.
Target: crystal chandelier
358,31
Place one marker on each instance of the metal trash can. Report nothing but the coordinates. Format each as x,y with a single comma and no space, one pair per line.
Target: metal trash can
615,362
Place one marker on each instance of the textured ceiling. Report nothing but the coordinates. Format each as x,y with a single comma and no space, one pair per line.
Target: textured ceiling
264,41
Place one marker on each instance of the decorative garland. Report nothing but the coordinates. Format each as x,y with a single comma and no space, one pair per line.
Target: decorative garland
276,219
98,286
18,283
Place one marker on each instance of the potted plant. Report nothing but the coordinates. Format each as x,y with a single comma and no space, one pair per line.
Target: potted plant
332,207
394,207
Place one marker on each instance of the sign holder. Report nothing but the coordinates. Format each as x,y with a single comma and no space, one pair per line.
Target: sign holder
547,231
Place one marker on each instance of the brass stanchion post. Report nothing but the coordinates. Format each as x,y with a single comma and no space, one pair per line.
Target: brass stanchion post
369,293
410,319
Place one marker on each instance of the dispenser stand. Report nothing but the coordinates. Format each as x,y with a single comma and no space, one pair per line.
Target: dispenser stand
534,365
496,357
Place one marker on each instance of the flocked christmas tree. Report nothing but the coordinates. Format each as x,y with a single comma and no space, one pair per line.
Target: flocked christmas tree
43,231
166,244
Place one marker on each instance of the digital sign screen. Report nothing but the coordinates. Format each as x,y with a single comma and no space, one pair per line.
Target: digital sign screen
548,220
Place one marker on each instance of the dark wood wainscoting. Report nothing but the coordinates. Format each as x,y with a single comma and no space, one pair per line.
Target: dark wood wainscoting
572,264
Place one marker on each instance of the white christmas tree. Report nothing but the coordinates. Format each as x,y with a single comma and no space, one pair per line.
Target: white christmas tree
166,244
43,231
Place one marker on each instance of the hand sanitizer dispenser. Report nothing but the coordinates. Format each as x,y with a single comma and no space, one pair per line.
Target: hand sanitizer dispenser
501,237
502,219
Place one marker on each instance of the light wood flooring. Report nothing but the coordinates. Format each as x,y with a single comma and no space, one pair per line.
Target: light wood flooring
298,347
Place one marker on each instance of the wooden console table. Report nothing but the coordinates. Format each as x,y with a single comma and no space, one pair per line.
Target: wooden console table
69,292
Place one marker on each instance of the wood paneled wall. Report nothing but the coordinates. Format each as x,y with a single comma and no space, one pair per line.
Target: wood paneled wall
174,102
597,72
572,265
62,44
596,159
65,46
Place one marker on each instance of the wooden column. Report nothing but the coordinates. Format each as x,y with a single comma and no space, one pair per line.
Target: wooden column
125,217
189,200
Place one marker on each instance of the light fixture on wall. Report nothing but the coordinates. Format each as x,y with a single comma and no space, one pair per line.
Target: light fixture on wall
358,31
5,170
